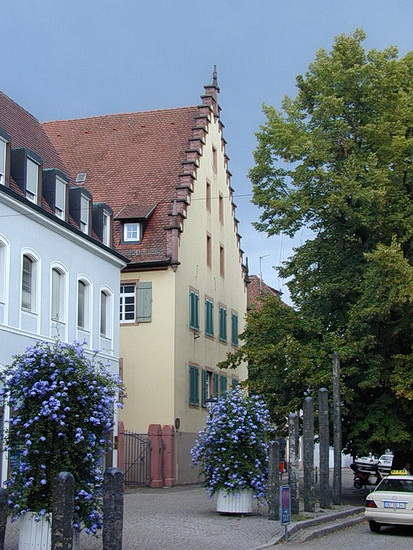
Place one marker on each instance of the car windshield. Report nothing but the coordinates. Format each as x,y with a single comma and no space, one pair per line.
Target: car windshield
396,485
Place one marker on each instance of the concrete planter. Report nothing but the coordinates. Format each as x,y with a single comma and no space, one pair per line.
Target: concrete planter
37,535
235,502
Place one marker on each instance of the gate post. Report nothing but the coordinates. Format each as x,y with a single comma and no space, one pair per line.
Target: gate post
121,446
168,438
155,437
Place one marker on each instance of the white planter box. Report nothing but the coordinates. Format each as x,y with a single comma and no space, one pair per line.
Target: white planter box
235,502
37,535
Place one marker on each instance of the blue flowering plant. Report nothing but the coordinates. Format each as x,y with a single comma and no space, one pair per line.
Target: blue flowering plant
231,449
61,414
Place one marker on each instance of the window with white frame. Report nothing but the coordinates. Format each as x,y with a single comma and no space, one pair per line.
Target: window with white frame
84,214
83,304
60,198
3,145
128,303
131,232
58,295
3,259
32,179
106,229
28,283
105,313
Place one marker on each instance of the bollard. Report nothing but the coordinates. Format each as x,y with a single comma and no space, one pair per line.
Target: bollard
274,481
3,517
324,448
112,509
308,440
293,475
62,514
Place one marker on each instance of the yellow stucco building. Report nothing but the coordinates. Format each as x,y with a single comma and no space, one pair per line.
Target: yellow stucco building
183,295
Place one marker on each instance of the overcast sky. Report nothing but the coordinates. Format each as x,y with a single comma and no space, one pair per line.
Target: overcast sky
79,58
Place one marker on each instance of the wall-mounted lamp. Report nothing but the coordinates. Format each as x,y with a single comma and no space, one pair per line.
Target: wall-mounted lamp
196,335
177,423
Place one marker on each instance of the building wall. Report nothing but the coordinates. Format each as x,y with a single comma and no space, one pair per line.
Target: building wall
23,229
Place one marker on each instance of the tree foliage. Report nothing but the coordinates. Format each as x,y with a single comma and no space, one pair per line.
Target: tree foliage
337,159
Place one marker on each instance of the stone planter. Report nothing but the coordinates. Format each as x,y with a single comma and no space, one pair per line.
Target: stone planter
37,535
235,502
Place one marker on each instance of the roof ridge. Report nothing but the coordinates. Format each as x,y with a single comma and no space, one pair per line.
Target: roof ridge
129,113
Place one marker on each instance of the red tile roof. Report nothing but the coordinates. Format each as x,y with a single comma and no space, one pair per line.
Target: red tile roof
129,159
257,290
26,131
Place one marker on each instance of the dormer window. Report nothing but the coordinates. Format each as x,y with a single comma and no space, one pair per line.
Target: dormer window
84,214
133,219
60,198
26,168
102,222
32,179
54,187
106,228
131,232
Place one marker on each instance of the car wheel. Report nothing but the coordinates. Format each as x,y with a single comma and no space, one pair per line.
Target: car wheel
374,527
358,484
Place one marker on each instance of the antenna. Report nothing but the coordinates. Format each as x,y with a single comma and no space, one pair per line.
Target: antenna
260,259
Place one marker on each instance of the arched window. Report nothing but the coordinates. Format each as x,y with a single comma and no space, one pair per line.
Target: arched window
83,304
28,283
105,313
58,295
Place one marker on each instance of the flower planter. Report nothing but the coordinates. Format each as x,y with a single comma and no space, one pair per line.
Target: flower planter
235,502
37,535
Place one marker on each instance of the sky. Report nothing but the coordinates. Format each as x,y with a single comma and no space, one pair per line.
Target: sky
65,59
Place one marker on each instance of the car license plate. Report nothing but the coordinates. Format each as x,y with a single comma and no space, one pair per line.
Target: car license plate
392,504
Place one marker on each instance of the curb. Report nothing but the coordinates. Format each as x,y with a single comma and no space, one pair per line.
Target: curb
314,522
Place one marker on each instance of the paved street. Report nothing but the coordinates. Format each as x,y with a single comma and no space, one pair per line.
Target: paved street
355,538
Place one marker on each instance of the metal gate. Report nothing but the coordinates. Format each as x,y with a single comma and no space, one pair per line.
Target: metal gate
137,464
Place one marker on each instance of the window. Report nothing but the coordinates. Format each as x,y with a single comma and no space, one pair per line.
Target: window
127,303
222,324
209,317
222,384
193,385
83,302
221,261
57,312
60,198
3,146
144,302
106,229
216,384
206,385
3,260
208,196
131,232
84,214
214,159
32,179
105,316
221,208
208,251
234,329
194,310
28,283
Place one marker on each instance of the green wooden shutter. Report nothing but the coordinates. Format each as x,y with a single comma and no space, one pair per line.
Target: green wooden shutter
204,388
193,386
216,385
144,302
234,329
222,384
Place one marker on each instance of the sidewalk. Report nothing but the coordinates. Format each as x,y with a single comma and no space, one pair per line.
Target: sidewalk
183,518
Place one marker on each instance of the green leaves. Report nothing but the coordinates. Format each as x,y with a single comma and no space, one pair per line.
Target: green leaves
337,159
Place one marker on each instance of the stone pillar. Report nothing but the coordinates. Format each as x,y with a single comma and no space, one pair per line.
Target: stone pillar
324,448
293,475
336,430
168,438
274,480
155,437
112,509
308,443
62,514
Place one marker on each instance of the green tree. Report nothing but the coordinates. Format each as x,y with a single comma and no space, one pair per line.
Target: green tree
337,159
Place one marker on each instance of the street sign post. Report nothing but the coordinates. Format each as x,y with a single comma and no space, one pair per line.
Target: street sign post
285,508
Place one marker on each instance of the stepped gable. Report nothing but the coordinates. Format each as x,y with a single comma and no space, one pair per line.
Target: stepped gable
141,162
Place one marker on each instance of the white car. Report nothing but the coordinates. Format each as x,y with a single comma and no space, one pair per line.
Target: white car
391,502
385,460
